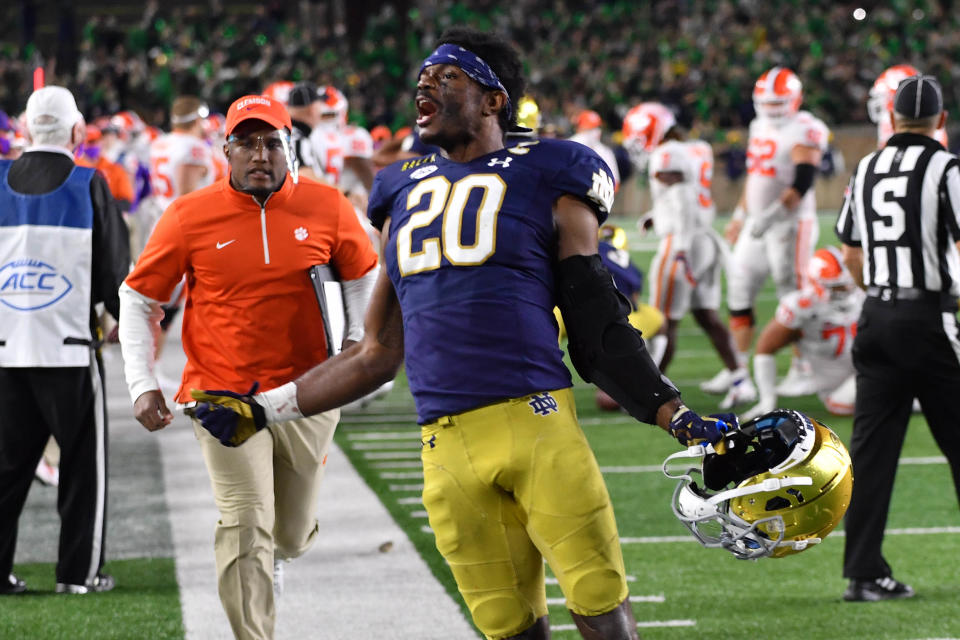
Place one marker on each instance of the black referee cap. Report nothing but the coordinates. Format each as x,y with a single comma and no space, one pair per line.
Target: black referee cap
303,93
918,97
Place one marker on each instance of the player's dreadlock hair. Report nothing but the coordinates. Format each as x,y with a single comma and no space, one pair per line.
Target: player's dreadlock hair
501,57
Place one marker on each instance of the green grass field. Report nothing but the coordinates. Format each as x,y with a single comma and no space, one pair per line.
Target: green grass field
681,589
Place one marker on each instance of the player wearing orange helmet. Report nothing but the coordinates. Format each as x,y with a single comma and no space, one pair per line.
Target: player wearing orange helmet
774,227
821,320
685,272
588,124
880,102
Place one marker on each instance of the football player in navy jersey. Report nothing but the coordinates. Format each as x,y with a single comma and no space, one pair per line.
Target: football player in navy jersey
479,244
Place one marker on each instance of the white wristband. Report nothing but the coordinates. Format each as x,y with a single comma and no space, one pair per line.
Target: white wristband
280,404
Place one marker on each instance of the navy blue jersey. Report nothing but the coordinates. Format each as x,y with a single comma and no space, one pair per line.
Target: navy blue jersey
471,252
626,276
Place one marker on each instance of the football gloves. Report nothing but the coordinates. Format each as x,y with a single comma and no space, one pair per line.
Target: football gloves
232,418
690,429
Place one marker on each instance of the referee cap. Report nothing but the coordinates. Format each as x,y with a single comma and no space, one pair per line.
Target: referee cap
918,97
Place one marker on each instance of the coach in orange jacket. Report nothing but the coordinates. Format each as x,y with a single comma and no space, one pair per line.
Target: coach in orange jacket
245,244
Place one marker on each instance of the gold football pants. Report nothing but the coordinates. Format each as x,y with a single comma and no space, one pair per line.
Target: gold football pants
509,485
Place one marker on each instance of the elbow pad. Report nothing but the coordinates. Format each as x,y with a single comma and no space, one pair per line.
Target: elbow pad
604,348
803,177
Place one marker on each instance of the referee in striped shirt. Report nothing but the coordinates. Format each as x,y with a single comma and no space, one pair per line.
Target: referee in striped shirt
900,227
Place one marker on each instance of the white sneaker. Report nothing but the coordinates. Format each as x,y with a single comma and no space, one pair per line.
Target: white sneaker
47,474
719,383
799,380
742,391
277,578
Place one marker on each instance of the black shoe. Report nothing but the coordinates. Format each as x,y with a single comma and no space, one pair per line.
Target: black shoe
102,582
13,586
878,589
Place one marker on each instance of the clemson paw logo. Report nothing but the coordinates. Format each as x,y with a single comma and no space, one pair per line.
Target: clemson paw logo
300,233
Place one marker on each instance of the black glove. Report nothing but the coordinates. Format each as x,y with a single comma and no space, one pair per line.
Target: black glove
232,418
690,429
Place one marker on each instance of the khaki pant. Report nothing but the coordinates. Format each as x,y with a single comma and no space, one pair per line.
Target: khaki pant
266,491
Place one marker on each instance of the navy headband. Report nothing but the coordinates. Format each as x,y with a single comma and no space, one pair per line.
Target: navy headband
471,64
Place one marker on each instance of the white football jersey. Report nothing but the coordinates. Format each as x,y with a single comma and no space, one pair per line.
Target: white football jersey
770,169
678,209
169,152
332,145
828,327
591,139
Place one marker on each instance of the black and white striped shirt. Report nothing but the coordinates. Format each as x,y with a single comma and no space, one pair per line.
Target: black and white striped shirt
902,208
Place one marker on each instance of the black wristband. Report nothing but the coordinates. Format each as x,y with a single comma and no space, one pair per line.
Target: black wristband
803,177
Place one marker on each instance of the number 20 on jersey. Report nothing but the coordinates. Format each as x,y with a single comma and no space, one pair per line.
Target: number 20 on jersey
450,201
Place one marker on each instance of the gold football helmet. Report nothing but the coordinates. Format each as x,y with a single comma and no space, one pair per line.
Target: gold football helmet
783,485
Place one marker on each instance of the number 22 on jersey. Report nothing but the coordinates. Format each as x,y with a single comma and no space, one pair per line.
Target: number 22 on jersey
426,252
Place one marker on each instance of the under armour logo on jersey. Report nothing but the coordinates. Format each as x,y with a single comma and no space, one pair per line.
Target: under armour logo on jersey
505,162
432,442
543,404
300,233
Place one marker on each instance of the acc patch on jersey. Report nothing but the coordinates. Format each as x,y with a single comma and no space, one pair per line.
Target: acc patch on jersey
423,172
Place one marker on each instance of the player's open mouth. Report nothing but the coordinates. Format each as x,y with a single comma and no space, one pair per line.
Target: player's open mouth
425,111
258,173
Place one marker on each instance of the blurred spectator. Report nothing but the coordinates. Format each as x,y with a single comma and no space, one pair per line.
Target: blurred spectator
698,58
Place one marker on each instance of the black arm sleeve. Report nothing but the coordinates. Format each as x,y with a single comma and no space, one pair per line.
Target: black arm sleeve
111,246
604,347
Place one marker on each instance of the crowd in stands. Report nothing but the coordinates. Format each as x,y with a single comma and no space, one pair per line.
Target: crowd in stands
699,57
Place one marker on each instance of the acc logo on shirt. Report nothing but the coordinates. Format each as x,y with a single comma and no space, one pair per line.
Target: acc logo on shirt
29,285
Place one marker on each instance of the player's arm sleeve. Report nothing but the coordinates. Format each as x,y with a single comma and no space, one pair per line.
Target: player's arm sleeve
846,227
111,246
604,348
356,299
139,331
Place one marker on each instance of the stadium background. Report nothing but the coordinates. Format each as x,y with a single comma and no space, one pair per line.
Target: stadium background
700,57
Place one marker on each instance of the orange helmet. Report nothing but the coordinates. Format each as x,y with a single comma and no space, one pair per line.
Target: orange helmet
128,124
279,91
777,94
827,273
380,134
643,129
333,103
880,100
587,120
